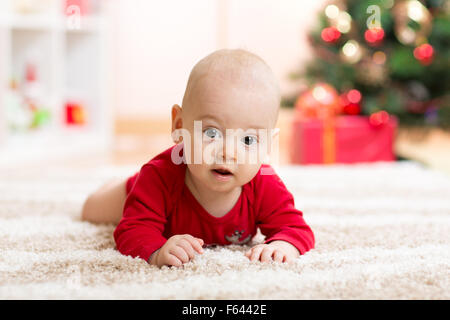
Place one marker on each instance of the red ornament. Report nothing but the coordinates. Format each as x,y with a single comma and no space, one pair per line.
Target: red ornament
374,36
321,101
354,96
379,118
424,53
330,34
351,102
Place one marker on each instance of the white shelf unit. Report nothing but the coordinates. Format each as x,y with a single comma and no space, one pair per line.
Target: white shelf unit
73,63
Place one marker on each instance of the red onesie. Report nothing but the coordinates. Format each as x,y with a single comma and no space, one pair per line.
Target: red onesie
159,205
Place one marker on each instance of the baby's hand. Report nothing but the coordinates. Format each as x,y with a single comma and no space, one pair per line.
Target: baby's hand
177,250
278,250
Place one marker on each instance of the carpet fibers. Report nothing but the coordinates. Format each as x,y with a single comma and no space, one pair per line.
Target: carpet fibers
382,232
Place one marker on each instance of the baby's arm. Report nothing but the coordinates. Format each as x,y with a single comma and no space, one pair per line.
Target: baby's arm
177,250
287,234
140,231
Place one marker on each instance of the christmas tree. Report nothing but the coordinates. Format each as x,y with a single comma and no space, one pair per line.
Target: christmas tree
385,55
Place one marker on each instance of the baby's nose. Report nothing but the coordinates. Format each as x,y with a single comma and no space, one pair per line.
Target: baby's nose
228,152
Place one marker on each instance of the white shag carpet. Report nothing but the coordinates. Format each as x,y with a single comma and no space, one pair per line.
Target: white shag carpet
382,232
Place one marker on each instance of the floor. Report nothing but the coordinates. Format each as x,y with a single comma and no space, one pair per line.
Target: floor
381,232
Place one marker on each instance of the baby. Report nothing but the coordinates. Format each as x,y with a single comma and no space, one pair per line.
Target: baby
212,187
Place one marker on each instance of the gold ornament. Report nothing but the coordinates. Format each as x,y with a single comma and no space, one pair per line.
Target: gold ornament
338,17
351,52
371,73
407,11
379,57
332,11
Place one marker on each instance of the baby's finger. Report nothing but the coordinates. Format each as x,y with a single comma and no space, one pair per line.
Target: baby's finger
187,246
171,260
266,254
289,259
200,241
278,256
196,243
179,253
256,252
191,238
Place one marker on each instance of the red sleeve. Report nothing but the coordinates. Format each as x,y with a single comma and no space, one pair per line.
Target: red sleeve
139,233
277,216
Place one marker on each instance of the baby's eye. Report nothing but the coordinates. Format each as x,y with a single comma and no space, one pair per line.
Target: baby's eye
212,133
250,140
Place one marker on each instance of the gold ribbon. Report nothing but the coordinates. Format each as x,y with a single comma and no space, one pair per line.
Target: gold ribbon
329,140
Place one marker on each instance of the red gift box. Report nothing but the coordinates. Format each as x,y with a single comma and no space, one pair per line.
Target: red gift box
346,139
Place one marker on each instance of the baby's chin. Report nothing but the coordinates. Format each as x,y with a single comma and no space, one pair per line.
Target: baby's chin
227,184
217,183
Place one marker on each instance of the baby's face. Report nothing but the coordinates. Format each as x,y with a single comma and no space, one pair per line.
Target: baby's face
230,125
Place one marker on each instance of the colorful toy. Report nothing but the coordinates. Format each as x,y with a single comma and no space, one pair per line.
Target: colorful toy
75,113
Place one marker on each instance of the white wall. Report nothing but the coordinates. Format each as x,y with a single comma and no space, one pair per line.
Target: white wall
275,30
156,44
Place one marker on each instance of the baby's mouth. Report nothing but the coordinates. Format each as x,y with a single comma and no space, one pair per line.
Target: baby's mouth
222,174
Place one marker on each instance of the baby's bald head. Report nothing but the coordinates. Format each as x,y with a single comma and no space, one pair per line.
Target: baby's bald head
233,97
236,67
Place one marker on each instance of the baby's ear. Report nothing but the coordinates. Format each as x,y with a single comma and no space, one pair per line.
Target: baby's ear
177,121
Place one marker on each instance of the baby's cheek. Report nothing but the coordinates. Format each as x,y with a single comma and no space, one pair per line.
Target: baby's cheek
201,153
212,153
247,172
